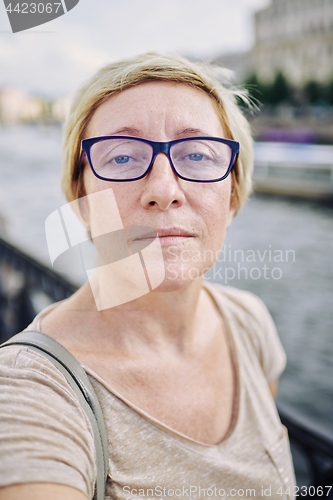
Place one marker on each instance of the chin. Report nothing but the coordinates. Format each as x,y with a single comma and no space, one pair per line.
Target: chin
178,278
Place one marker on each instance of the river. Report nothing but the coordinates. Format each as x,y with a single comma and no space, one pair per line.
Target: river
280,249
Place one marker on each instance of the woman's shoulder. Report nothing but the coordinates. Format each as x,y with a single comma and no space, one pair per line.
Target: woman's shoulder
36,322
239,302
30,371
61,320
38,405
249,320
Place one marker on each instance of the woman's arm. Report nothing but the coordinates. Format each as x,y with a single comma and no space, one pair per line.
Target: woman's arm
41,491
46,441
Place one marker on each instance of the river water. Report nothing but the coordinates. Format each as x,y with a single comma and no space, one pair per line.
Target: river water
280,249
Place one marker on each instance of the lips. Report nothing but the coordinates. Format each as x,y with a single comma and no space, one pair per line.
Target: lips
173,232
142,236
173,236
146,233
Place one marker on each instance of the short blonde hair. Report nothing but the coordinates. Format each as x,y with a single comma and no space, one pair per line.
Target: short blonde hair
118,76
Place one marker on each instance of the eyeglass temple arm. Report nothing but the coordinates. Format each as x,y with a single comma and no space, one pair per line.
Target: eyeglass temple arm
234,163
83,154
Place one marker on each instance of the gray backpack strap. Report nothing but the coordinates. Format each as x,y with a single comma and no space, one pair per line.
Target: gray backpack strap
81,385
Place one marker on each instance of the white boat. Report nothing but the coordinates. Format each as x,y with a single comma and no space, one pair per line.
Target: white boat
303,170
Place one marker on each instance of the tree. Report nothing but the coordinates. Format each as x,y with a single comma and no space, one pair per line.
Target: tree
329,92
270,93
314,92
280,90
257,89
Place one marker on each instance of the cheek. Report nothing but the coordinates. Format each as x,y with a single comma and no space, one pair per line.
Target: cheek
91,183
213,203
127,198
218,215
124,197
98,206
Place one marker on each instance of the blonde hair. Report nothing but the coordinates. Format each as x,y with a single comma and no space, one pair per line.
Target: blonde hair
118,76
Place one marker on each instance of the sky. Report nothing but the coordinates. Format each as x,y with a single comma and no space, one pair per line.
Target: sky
55,58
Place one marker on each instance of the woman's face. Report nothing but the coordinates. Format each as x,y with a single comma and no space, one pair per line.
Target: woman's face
190,218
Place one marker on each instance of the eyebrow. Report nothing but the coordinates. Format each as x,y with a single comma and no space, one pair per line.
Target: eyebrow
193,131
184,132
126,130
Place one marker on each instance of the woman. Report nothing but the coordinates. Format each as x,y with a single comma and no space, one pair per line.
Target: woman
185,373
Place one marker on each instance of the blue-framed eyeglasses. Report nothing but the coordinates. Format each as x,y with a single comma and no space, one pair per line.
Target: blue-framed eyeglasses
124,158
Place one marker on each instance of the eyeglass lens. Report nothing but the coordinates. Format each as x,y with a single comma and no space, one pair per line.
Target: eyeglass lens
123,158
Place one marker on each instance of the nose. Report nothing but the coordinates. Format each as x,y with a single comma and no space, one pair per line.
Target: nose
162,187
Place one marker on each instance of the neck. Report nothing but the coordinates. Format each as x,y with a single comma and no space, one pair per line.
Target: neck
156,320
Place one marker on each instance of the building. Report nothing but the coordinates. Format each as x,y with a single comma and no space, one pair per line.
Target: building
16,106
238,62
296,38
60,108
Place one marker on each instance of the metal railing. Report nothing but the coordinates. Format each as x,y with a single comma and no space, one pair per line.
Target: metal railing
16,309
35,273
316,444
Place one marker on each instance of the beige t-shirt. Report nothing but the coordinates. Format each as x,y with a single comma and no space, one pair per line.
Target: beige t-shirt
45,435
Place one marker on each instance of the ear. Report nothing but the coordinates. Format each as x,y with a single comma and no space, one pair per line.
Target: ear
233,204
231,215
80,205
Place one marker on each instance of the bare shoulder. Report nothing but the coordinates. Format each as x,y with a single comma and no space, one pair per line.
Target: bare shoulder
244,306
40,491
237,298
70,319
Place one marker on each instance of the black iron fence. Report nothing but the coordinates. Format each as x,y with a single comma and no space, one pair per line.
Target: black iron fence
21,276
312,449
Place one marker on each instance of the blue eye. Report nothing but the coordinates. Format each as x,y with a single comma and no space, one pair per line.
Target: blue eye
195,157
121,159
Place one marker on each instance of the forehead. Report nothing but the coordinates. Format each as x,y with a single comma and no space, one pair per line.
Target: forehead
157,107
